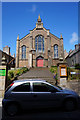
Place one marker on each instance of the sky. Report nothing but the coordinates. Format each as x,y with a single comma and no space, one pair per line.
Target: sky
21,17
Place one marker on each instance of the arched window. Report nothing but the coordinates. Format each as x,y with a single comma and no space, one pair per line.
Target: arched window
39,43
55,51
23,52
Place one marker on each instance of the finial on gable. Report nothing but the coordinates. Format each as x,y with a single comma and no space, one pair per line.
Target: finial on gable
18,37
39,19
61,36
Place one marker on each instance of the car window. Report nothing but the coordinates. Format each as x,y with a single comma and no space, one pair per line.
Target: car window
22,88
42,87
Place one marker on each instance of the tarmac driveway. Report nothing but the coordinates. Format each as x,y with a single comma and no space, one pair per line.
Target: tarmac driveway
46,115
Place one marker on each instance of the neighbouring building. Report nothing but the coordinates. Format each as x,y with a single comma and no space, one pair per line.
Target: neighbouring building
39,48
65,54
74,56
10,60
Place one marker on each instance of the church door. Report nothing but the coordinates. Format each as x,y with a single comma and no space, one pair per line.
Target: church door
39,62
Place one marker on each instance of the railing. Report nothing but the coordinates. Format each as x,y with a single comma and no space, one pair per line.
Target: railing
11,61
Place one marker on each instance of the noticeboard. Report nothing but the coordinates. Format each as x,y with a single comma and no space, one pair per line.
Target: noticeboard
63,71
3,72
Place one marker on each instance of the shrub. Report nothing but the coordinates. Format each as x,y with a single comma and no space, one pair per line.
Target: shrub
17,72
77,66
11,73
8,78
25,69
14,73
53,69
73,76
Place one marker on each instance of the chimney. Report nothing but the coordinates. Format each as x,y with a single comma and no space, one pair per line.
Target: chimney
6,49
76,46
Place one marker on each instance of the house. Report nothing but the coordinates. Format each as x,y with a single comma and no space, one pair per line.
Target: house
10,60
73,56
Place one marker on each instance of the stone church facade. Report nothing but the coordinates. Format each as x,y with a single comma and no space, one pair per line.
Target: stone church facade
39,48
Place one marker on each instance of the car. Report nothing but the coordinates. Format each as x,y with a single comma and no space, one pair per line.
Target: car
34,94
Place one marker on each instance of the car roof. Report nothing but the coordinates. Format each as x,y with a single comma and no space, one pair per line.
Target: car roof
30,80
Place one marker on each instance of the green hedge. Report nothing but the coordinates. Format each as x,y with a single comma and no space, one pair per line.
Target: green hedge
53,69
77,66
13,73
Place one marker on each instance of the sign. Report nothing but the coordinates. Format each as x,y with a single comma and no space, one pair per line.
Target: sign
63,82
73,73
2,80
3,72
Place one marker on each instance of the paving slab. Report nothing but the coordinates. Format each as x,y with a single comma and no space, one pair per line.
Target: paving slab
0,101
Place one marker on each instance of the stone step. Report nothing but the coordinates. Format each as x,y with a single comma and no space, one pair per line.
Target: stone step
25,77
40,68
38,73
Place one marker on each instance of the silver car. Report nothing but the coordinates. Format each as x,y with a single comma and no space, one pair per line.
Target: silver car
33,94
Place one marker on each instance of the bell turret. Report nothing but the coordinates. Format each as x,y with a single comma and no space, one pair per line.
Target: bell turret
39,23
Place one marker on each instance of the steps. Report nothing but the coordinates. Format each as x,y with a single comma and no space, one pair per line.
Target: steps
38,73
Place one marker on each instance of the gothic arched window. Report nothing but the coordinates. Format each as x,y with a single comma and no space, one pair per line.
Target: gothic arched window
55,51
39,43
23,52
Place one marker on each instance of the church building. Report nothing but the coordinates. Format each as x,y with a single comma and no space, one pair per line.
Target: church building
39,48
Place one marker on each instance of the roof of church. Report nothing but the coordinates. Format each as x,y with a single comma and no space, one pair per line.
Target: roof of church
39,20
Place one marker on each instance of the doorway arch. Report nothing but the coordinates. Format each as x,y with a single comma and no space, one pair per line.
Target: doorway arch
39,61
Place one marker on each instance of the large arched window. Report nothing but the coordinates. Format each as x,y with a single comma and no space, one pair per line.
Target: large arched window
55,51
39,43
23,52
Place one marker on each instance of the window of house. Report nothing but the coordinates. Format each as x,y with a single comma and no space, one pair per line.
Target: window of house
72,62
55,51
23,52
39,43
22,88
75,59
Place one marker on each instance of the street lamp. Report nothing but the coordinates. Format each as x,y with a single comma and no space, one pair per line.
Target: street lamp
33,52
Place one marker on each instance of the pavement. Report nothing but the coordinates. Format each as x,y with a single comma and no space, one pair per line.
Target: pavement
46,114
43,114
0,101
0,108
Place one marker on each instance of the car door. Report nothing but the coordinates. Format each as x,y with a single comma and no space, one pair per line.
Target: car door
22,94
44,95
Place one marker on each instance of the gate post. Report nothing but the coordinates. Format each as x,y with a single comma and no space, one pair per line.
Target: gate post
62,73
3,76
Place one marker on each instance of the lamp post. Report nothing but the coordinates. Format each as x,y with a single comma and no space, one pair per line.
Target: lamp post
33,52
48,57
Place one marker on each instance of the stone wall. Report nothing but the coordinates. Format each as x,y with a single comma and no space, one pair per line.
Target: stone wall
74,85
